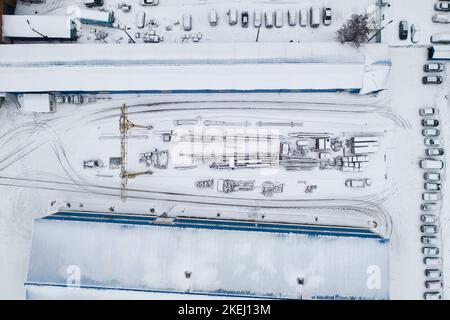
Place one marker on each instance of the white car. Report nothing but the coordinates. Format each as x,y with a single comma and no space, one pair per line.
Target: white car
269,18
303,17
432,176
415,33
429,206
428,132
441,18
430,240
431,196
432,186
232,16
428,218
434,152
257,18
149,2
427,111
436,295
430,251
429,229
432,261
278,18
213,17
433,273
433,67
187,22
432,142
292,17
433,284
442,6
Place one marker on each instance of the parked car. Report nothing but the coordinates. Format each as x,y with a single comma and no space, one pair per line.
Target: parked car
213,17
292,17
441,18
244,19
432,261
430,122
429,206
427,111
428,218
432,142
431,164
303,17
403,30
415,33
314,17
432,186
432,176
433,67
269,18
442,6
430,132
93,3
433,152
278,18
326,16
187,22
432,79
429,228
435,295
232,16
430,240
433,284
257,18
433,273
443,38
358,183
431,196
430,251
149,2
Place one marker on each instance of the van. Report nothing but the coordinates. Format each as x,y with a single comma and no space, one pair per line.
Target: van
187,22
431,196
140,19
433,284
440,38
257,18
213,17
431,164
433,273
436,295
314,16
303,17
269,18
278,18
232,16
292,17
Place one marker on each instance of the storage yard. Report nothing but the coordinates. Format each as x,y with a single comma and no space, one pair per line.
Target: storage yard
251,151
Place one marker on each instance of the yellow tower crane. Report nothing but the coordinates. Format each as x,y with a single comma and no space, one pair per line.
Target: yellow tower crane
124,125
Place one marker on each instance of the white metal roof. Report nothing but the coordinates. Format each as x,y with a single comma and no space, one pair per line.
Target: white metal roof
16,26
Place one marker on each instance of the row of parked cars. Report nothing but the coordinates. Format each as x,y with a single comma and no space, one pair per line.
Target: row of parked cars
430,207
270,18
435,68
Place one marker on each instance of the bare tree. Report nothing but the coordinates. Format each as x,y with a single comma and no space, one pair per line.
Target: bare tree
356,30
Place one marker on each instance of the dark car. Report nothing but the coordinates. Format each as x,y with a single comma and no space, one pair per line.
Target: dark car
432,80
93,3
244,19
403,30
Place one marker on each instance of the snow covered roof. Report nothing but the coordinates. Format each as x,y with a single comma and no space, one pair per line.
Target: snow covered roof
172,67
102,257
21,26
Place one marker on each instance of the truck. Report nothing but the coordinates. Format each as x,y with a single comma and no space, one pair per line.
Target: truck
431,164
